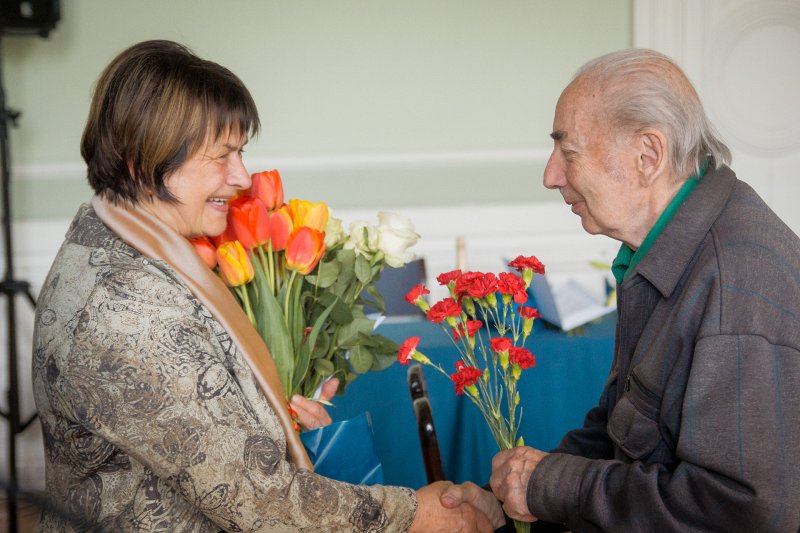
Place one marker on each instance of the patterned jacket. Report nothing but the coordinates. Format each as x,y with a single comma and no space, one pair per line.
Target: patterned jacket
153,421
698,428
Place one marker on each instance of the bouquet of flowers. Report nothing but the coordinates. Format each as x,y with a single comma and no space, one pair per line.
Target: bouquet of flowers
489,334
303,282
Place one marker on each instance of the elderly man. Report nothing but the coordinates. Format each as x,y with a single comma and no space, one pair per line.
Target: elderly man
698,427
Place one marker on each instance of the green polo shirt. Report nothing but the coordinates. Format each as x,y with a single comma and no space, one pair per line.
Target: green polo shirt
626,258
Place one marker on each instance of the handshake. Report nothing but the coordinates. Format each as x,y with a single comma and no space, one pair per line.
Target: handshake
445,507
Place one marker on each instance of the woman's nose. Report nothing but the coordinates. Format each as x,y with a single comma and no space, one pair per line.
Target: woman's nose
238,175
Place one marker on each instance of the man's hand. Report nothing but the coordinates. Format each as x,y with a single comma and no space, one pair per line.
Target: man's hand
511,472
432,517
483,500
311,414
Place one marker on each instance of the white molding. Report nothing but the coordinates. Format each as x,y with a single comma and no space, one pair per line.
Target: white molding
329,162
490,233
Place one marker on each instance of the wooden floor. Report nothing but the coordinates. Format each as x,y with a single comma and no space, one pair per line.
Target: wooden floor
27,517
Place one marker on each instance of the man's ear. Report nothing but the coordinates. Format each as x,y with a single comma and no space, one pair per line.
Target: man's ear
653,161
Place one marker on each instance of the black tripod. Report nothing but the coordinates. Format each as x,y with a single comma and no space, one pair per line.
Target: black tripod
10,288
29,17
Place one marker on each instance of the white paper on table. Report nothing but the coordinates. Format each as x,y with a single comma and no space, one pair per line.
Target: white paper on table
567,305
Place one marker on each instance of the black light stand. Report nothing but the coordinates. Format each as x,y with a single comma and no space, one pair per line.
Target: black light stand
10,287
16,18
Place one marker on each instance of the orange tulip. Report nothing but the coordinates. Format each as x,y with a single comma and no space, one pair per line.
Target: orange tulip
250,221
304,249
206,250
267,187
305,213
234,264
280,227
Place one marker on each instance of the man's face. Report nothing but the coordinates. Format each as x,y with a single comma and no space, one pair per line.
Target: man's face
594,169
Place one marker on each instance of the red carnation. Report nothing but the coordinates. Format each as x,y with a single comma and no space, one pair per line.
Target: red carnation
500,344
472,328
514,286
532,263
446,277
465,376
521,357
528,312
465,282
443,309
408,347
483,285
416,293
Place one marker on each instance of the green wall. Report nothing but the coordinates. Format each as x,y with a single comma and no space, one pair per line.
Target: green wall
330,77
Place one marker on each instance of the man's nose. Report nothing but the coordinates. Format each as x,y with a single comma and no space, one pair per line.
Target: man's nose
554,176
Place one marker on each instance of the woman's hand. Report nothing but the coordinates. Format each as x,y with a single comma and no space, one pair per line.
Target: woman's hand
312,414
477,497
432,517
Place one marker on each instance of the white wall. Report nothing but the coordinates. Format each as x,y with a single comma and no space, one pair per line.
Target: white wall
742,56
335,82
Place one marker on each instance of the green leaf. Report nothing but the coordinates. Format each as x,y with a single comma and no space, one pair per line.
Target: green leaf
382,361
304,355
379,302
347,260
327,274
363,269
273,329
322,346
324,367
385,344
340,313
349,333
360,359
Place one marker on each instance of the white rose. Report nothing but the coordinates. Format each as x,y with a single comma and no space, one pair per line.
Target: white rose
334,234
363,239
396,236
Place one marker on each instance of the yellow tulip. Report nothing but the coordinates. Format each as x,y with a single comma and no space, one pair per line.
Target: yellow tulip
308,214
234,264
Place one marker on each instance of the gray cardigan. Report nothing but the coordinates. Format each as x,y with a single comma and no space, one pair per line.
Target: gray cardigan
698,427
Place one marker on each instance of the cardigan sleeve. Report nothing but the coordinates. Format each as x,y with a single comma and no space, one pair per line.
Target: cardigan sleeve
150,378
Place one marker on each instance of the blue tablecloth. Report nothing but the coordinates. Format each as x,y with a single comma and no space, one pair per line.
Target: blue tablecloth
566,382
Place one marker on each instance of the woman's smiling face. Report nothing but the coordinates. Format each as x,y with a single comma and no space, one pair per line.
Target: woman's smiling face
203,184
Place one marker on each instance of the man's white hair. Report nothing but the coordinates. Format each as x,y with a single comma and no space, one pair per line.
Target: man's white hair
645,89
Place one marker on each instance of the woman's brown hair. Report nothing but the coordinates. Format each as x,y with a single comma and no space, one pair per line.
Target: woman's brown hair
155,105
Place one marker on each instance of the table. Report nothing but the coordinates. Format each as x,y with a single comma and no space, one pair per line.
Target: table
570,372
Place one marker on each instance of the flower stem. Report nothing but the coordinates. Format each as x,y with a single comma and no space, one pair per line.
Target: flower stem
288,293
241,290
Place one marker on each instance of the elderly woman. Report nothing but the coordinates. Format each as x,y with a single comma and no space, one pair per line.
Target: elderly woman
160,406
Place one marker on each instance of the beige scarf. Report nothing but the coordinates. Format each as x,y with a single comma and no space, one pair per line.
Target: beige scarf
156,240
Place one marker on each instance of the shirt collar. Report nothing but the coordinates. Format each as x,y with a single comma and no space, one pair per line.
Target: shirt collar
626,258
